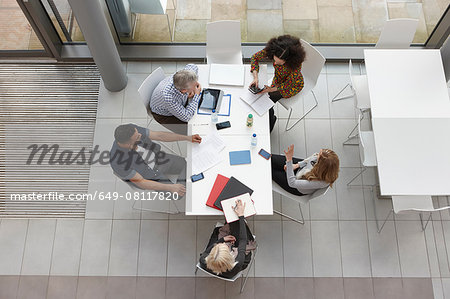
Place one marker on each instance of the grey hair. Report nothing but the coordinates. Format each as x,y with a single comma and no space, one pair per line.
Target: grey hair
182,78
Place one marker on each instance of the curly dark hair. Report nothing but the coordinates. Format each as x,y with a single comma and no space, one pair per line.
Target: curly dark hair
286,47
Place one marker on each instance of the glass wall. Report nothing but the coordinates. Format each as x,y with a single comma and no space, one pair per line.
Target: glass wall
15,31
317,21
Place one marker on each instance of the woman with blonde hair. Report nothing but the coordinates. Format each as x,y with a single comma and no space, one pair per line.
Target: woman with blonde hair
302,177
221,257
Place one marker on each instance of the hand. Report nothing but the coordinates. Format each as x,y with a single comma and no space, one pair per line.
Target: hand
191,94
289,153
178,188
229,238
267,89
254,82
294,167
198,88
239,208
196,138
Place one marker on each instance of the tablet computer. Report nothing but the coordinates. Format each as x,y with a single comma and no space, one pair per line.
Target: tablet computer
211,99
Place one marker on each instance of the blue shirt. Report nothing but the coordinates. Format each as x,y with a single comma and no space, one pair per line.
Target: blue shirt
168,101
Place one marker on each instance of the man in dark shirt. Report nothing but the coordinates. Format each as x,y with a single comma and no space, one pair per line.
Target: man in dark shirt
137,159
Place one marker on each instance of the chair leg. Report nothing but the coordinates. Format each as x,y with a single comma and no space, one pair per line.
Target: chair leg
196,269
337,98
384,222
375,208
304,115
350,136
289,217
421,221
301,212
248,271
354,178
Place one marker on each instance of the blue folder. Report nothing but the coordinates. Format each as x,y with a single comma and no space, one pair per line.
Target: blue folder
240,157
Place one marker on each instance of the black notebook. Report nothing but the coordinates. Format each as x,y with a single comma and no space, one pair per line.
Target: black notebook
232,189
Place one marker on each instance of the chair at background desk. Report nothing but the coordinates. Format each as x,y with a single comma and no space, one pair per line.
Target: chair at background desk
223,42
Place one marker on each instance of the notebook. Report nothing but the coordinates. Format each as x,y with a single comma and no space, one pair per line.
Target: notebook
218,186
240,157
233,188
227,74
229,204
261,103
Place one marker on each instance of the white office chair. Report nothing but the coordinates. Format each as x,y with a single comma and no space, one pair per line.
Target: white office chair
413,203
172,178
146,90
239,274
223,42
303,199
311,68
367,151
397,34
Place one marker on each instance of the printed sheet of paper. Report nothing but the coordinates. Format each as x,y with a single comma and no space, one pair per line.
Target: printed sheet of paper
206,154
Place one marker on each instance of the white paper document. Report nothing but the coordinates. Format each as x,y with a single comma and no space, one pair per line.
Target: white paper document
229,204
206,154
227,74
261,103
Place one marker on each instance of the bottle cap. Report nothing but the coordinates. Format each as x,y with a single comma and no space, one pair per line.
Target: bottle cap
254,135
214,110
250,116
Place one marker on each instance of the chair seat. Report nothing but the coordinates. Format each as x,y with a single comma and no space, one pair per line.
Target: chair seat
410,202
361,87
370,158
298,198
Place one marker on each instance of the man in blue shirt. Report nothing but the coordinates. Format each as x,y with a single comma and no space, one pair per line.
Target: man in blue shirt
135,158
175,99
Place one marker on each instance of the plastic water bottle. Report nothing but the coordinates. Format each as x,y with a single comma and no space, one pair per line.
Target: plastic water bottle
250,120
254,140
214,116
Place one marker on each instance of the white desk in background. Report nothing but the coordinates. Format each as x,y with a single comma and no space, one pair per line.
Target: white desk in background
410,109
257,175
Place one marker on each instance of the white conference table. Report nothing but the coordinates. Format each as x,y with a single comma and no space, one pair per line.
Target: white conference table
410,109
257,175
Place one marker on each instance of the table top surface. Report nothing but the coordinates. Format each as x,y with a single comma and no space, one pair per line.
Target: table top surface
407,83
410,110
256,175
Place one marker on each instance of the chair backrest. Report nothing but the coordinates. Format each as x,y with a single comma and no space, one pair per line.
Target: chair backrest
311,67
219,277
361,140
299,198
319,192
397,34
148,86
413,203
223,42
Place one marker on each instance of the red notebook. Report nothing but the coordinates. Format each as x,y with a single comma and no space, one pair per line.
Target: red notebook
217,188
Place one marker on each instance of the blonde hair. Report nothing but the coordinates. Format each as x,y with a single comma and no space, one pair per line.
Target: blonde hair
326,169
220,259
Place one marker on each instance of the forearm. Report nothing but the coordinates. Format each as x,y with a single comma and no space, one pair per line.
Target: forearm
290,176
169,137
153,185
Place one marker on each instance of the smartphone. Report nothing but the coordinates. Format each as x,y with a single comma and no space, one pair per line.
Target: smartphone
255,89
223,125
264,154
197,177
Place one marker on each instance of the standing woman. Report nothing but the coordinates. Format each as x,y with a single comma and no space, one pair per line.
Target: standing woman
287,54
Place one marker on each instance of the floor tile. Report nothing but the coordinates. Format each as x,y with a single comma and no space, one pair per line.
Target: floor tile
193,10
102,182
38,247
297,255
419,288
13,234
263,5
298,102
119,287
67,247
321,92
315,142
369,18
32,287
151,285
180,287
438,292
209,287
348,154
266,288
356,288
446,287
432,251
441,249
182,246
133,106
299,288
295,136
123,208
383,250
124,248
324,207
139,67
232,289
350,201
154,28
326,249
413,11
300,10
388,288
328,288
269,260
92,287
263,24
190,30
169,67
336,24
153,248
355,249
8,286
96,247
110,104
62,287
